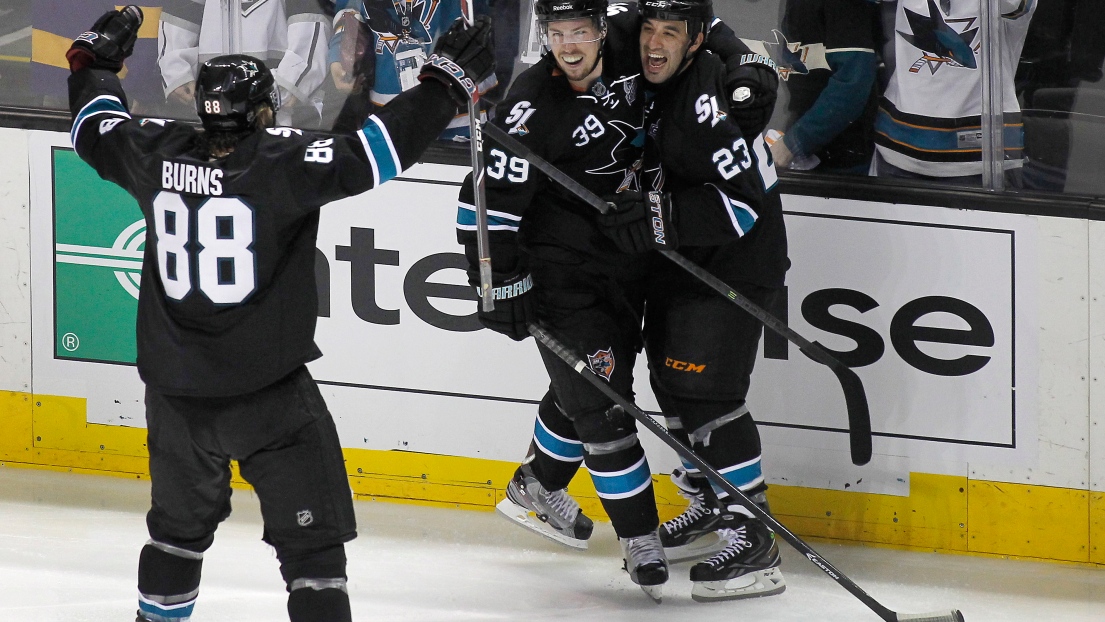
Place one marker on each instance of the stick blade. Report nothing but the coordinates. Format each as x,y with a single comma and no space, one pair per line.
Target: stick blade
954,615
859,415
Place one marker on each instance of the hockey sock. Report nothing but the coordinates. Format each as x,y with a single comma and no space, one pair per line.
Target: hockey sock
734,450
168,582
687,477
624,484
557,452
318,600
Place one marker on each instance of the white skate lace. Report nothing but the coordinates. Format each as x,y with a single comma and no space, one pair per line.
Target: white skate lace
738,541
562,503
643,550
696,510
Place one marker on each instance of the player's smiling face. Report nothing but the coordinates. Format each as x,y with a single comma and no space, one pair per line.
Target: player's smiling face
664,48
575,44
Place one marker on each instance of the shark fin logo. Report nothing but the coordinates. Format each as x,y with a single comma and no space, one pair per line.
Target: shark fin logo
940,43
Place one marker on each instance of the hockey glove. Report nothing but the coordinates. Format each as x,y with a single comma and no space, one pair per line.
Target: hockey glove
513,307
752,90
464,60
108,43
640,223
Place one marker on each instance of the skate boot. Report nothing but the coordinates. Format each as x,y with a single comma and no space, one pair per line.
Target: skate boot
693,534
645,562
748,566
551,513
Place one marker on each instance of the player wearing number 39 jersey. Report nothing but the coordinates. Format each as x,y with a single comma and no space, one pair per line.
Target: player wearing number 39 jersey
226,313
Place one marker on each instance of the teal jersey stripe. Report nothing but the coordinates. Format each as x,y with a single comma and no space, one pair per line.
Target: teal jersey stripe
946,140
744,220
466,219
97,106
378,142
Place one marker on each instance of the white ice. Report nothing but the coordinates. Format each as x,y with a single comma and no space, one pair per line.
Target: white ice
69,549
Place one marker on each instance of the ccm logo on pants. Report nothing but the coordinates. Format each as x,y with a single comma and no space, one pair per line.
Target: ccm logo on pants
684,366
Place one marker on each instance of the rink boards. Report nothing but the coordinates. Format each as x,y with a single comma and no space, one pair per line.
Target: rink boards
972,331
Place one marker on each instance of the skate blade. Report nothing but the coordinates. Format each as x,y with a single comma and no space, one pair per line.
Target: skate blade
655,592
752,585
701,548
529,520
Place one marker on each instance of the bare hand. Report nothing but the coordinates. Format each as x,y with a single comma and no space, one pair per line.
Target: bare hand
184,94
781,154
343,80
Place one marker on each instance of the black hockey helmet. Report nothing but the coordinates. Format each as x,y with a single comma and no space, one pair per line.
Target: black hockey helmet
228,90
557,10
697,13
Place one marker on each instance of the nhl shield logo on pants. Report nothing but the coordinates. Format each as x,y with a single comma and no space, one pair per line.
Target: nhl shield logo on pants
304,518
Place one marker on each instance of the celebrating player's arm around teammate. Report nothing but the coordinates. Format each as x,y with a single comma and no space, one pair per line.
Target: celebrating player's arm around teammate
710,192
227,309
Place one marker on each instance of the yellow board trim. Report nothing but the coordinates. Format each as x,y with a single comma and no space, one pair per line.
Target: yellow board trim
943,513
49,48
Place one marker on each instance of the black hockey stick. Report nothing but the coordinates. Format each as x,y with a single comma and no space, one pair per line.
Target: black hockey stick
479,183
855,398
573,361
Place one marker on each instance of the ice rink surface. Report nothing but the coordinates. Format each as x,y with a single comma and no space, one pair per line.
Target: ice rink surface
69,549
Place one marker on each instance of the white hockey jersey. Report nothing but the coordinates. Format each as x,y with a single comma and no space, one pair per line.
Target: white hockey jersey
929,119
291,36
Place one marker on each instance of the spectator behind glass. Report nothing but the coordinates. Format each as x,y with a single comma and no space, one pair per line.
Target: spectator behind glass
54,25
288,35
15,55
379,45
929,120
826,56
1060,73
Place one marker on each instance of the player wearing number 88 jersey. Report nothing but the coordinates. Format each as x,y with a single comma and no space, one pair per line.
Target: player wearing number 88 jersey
227,308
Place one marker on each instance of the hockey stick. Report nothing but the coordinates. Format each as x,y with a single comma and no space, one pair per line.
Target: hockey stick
573,361
479,183
855,398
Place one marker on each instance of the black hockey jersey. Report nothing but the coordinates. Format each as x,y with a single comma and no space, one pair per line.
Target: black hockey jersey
228,302
725,205
594,137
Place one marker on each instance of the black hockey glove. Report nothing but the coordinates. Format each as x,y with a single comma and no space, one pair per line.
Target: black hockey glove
464,60
108,43
640,223
513,307
752,90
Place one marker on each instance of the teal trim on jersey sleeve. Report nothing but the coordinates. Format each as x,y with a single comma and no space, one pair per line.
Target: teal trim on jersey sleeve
380,149
496,221
742,216
104,104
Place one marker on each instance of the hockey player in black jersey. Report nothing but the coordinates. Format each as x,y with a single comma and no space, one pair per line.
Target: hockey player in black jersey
579,108
227,309
709,191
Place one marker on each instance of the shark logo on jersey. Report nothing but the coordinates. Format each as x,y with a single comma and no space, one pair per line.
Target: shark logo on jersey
408,22
790,58
939,43
623,151
602,363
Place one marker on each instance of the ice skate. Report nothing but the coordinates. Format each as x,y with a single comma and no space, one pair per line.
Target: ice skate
553,514
692,534
747,567
646,564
